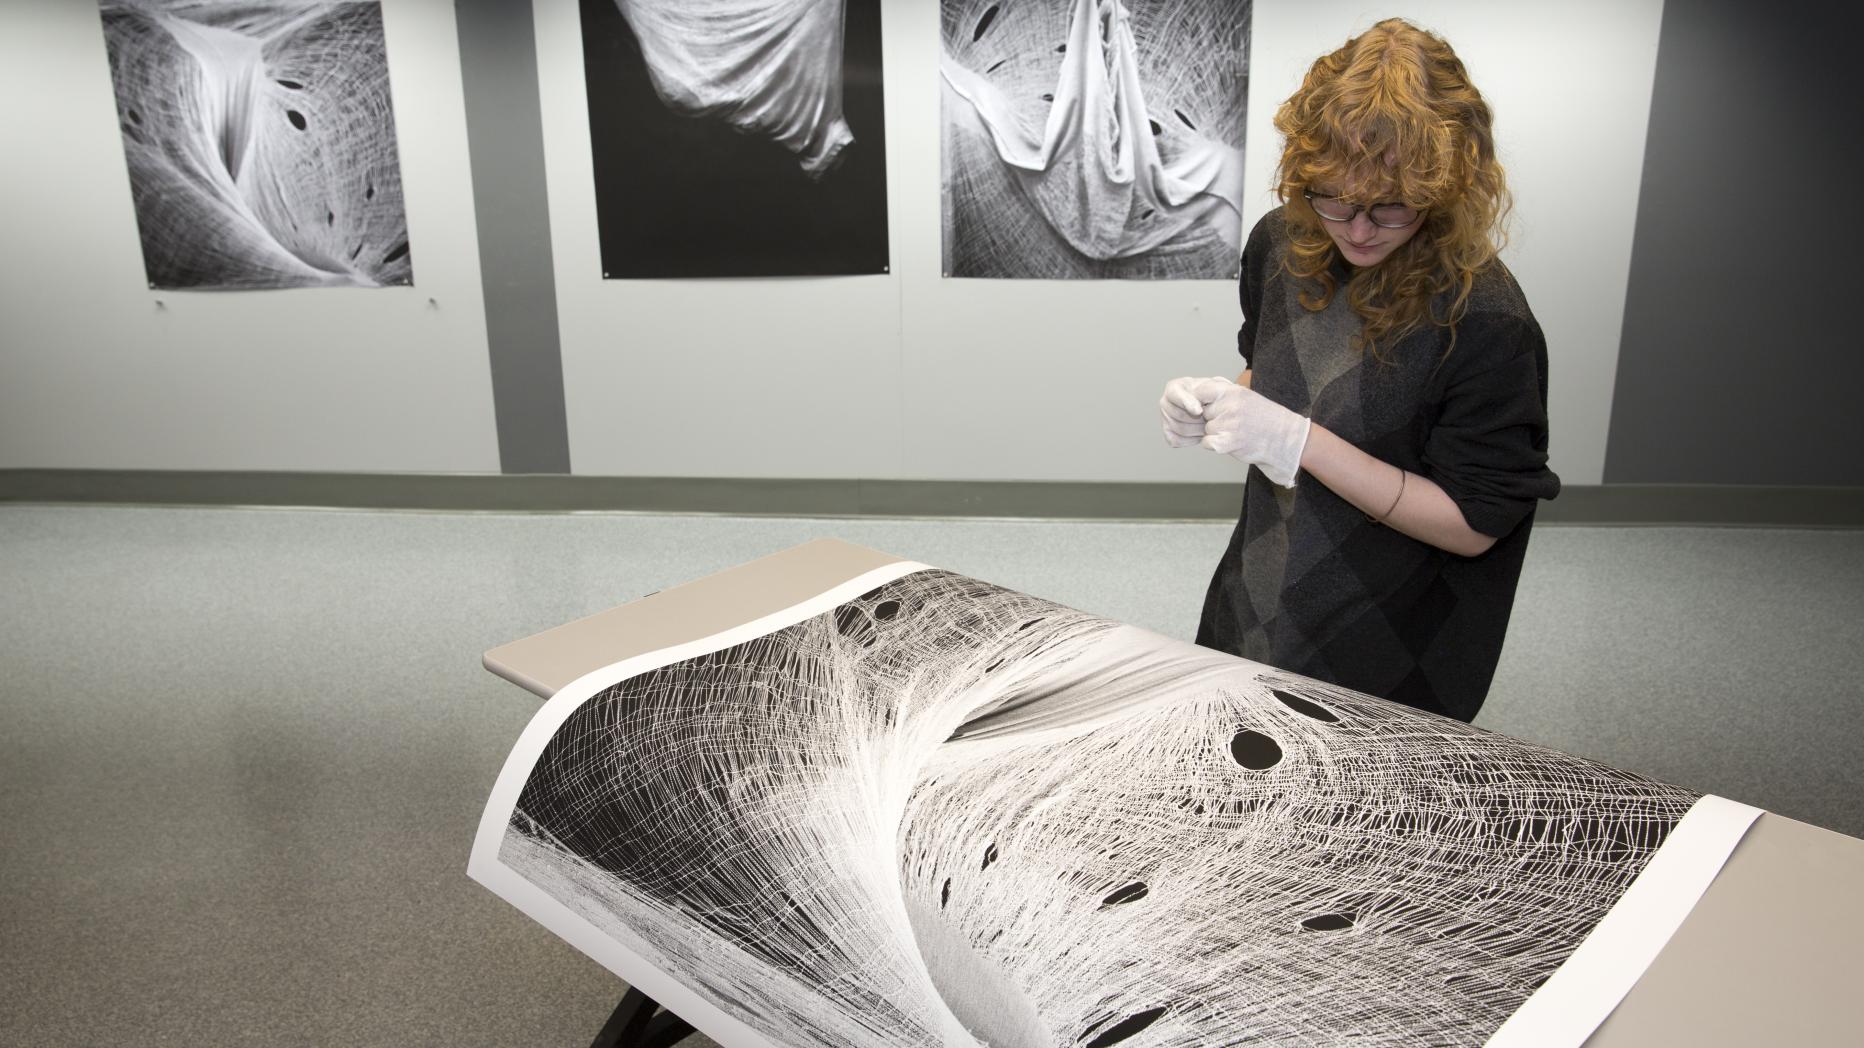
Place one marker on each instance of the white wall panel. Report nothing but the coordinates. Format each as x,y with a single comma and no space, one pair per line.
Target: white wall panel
775,377
95,375
901,375
911,375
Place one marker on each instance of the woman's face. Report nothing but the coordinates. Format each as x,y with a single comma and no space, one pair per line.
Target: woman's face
1363,242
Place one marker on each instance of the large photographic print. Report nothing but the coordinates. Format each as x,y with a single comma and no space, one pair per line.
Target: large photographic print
929,810
737,138
261,142
1093,138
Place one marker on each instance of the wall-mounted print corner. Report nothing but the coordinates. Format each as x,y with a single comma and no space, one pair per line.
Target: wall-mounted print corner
261,145
1088,139
736,138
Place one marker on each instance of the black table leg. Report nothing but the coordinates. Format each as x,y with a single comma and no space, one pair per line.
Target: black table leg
639,1022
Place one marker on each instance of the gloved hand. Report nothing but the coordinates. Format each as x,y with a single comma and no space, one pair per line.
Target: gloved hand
1244,424
1236,421
1183,411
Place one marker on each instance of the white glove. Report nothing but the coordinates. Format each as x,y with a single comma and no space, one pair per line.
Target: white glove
1245,425
1183,411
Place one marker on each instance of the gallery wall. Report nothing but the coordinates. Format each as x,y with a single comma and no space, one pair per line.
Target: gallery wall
916,376
101,372
905,374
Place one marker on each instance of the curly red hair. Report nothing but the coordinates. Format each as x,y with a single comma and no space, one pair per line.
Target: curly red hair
1392,115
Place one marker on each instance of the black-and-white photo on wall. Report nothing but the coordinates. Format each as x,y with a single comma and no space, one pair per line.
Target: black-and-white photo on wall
1093,138
260,139
736,138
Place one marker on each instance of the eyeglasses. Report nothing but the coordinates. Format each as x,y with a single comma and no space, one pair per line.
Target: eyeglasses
1385,216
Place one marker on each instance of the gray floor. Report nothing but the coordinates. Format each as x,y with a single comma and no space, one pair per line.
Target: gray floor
243,752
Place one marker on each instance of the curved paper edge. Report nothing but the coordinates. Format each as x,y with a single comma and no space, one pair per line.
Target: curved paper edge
1571,1004
484,866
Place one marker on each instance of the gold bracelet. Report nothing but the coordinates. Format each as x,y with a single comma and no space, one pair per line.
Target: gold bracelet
1403,475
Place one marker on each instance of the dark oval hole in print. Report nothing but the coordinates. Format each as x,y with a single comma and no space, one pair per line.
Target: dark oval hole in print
399,251
1046,97
1157,129
1128,893
291,85
998,64
944,895
990,856
886,609
983,23
135,117
1187,120
1329,922
1305,707
1125,1028
1062,50
1254,750
358,251
330,218
993,666
1026,625
368,192
296,118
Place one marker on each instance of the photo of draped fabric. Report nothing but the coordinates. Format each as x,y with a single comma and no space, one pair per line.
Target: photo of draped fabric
736,138
1093,138
260,139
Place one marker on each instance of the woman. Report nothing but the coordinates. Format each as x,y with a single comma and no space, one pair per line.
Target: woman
1391,357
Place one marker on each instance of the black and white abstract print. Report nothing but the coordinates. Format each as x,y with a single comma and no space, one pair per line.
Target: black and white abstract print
737,137
261,142
1093,138
945,813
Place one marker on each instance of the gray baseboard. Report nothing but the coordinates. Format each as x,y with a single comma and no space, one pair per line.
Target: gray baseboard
1610,504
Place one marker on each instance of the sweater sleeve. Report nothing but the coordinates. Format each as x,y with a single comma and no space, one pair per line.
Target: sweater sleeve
1257,256
1487,448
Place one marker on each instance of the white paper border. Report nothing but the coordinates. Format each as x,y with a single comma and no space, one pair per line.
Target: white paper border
1571,1004
484,866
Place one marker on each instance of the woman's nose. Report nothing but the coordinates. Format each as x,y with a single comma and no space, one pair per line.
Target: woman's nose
1362,228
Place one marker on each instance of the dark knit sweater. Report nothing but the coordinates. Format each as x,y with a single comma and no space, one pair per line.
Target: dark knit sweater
1308,583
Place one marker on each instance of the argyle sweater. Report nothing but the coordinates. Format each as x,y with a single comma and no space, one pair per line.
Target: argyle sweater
1308,583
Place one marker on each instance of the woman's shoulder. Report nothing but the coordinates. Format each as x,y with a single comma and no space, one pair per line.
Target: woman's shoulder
1271,229
1265,247
1496,297
1497,324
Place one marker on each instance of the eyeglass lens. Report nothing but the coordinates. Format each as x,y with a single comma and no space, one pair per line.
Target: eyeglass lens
1389,215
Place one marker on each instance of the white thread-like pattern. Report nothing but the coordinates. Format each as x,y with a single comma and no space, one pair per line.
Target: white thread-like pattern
1084,138
947,813
261,142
